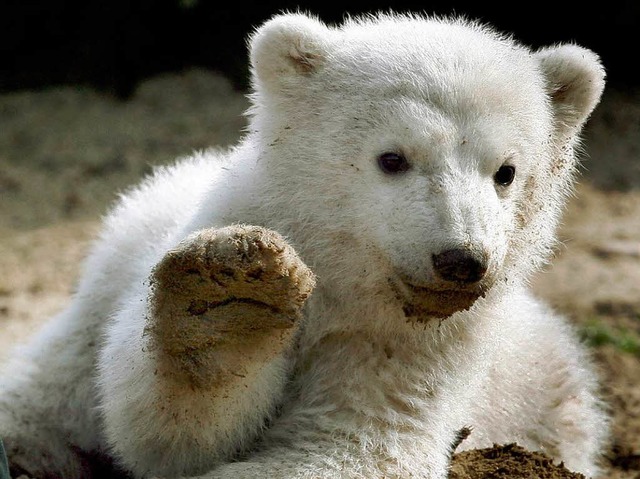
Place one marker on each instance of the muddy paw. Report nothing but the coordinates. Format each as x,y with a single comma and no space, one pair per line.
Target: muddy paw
227,286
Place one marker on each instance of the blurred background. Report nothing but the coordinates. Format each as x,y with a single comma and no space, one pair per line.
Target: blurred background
115,44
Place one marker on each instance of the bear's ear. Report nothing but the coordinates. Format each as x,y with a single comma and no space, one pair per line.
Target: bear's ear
287,47
575,80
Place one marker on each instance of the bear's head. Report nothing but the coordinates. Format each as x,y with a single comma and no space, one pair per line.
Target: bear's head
424,159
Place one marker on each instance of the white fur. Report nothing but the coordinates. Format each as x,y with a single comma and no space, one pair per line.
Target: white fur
366,393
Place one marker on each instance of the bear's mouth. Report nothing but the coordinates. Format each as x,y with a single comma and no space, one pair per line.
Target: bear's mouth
421,303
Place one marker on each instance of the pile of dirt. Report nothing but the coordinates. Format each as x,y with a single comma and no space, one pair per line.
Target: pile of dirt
508,461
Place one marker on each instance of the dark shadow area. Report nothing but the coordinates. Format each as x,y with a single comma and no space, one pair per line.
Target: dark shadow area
114,45
612,142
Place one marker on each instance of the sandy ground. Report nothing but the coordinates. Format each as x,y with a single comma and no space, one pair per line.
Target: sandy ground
66,152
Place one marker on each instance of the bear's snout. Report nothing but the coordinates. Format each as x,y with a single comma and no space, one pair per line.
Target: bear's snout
460,265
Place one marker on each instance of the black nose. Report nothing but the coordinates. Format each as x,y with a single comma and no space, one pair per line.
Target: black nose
460,265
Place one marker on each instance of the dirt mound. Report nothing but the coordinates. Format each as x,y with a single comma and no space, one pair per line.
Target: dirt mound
508,461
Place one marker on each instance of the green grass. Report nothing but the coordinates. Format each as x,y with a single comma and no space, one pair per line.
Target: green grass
597,333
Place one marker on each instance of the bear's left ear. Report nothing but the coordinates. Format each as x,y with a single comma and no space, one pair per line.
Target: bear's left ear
287,48
575,80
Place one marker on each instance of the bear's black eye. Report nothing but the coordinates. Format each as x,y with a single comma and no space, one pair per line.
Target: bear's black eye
505,175
393,163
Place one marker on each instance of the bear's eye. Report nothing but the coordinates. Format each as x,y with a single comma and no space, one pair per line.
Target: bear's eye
505,175
393,163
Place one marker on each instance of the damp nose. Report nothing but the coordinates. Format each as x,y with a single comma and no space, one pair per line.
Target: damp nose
460,265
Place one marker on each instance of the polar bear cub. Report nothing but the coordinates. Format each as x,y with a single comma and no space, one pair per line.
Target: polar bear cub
344,291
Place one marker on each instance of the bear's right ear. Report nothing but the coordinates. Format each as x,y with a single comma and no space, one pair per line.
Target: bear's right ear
286,48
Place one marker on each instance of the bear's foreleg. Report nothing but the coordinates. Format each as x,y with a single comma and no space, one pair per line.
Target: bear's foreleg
191,373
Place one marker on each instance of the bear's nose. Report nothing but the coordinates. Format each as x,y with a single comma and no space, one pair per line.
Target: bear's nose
460,265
